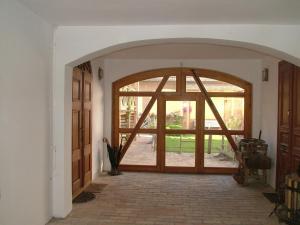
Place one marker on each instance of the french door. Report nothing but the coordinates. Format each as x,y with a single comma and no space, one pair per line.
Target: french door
181,132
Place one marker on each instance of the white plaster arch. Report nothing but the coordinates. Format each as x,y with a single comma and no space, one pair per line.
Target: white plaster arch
250,46
74,45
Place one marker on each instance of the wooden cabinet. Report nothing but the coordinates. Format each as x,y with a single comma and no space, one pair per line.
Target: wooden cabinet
288,149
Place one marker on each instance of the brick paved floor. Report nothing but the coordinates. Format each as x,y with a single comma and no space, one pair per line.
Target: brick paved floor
173,199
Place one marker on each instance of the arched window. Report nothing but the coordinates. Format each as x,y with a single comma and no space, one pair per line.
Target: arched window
181,120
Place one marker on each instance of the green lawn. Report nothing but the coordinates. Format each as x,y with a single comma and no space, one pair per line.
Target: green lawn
188,143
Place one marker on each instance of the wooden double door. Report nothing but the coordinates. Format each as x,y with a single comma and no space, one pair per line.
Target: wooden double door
288,149
81,128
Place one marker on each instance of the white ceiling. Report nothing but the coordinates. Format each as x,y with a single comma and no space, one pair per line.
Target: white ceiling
185,51
154,12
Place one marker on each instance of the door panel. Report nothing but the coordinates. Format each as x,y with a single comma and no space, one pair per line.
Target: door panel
81,129
296,120
87,129
180,150
77,174
180,129
296,162
284,121
296,104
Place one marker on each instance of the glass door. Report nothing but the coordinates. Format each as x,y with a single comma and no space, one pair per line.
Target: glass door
180,129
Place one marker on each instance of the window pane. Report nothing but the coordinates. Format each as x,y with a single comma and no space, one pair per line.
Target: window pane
131,109
170,85
218,152
212,85
143,85
191,85
230,109
180,150
211,122
142,150
150,85
180,114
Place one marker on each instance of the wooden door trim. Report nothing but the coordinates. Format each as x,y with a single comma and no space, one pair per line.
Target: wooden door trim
139,168
164,132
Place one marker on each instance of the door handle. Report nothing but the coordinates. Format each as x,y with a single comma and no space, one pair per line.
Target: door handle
283,147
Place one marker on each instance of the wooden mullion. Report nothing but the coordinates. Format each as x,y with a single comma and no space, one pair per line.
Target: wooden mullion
116,118
144,115
248,112
221,132
183,97
161,124
169,131
142,130
215,112
200,118
142,93
178,83
227,94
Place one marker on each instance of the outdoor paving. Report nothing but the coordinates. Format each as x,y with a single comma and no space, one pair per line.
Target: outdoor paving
142,152
173,199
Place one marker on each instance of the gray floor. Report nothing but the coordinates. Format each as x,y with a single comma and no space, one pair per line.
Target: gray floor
156,198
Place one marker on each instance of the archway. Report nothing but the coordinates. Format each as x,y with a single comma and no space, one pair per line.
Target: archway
65,58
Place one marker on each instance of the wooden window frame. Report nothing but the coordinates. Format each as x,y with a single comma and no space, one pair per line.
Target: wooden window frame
180,93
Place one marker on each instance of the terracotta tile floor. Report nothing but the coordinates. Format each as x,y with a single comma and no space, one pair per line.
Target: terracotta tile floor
155,198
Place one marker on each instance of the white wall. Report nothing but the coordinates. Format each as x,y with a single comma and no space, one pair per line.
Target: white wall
247,69
97,118
25,159
269,101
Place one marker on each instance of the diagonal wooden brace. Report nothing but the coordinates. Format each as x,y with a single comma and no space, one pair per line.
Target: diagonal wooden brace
216,114
144,115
